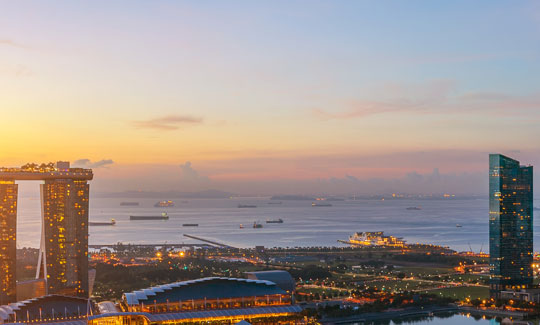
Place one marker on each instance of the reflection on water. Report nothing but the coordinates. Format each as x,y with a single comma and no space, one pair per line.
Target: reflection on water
443,319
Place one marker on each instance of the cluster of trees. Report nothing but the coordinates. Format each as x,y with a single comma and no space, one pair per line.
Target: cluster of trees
130,251
33,166
396,301
498,303
310,272
450,260
322,296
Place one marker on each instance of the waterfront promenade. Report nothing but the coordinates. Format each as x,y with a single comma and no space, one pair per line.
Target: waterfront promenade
424,312
395,314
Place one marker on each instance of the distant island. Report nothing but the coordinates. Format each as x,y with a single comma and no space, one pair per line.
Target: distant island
292,198
303,198
218,194
335,199
206,194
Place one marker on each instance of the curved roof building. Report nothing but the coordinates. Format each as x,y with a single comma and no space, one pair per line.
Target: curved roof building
50,307
283,279
214,300
205,288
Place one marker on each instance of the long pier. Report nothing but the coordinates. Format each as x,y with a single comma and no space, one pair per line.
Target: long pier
208,241
99,246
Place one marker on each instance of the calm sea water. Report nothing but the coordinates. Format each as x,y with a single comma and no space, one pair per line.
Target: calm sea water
457,319
304,225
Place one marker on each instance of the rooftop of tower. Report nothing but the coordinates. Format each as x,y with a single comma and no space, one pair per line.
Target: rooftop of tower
32,171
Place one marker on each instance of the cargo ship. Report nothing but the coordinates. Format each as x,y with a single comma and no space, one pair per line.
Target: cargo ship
321,204
275,221
257,225
163,216
102,223
129,203
414,208
246,206
164,204
190,225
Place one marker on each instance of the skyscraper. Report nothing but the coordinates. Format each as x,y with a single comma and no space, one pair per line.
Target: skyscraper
8,246
63,257
510,224
65,236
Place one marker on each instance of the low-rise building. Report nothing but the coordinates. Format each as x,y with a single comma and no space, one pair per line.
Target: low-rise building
48,309
207,300
214,300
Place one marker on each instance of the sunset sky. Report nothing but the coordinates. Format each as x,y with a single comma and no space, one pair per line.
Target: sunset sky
272,97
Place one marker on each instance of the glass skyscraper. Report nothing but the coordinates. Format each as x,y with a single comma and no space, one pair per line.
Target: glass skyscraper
510,225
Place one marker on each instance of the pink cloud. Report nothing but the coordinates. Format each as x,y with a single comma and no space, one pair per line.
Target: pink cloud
400,98
167,123
439,97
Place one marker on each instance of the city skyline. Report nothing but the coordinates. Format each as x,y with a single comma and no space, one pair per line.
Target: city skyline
246,162
266,96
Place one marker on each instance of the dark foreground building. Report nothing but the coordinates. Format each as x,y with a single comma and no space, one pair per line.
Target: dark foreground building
48,309
510,227
202,301
207,300
283,279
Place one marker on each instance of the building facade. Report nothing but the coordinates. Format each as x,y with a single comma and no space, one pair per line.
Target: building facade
510,225
206,301
215,300
8,245
63,258
50,309
65,236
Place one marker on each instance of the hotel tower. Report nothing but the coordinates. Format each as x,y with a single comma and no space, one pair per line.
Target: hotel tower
63,255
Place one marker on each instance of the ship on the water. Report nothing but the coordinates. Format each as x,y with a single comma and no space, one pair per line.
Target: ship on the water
318,204
376,238
275,221
129,203
163,216
257,225
413,208
246,206
190,225
164,204
102,223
